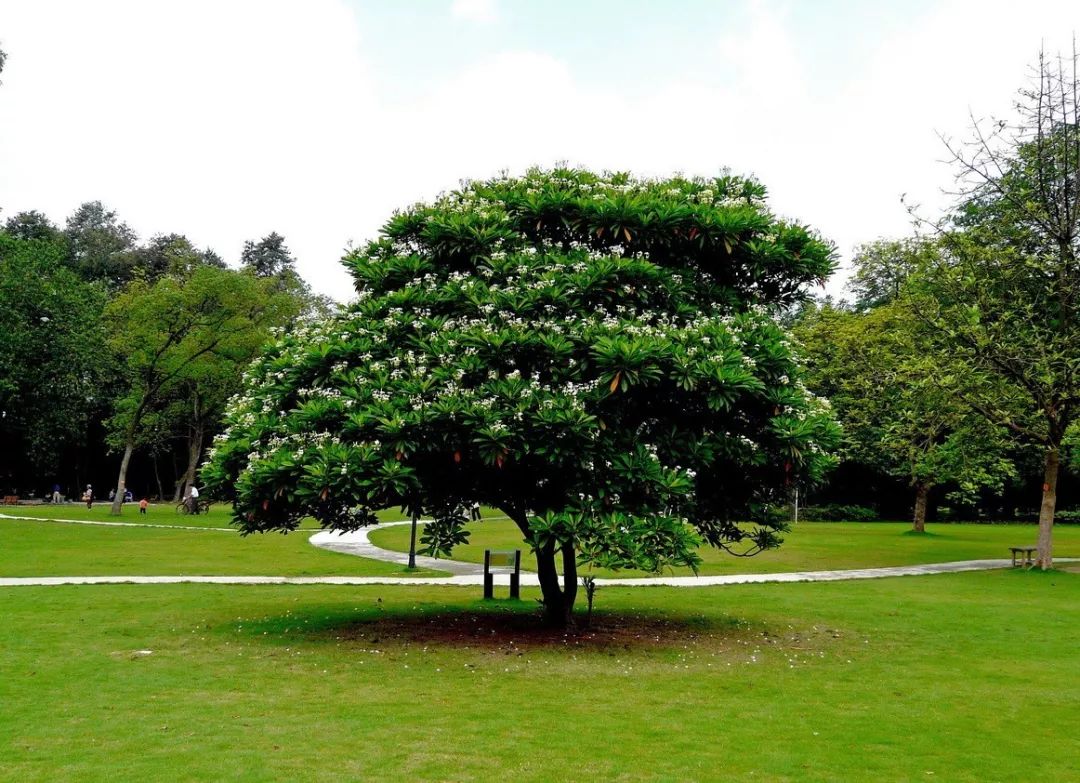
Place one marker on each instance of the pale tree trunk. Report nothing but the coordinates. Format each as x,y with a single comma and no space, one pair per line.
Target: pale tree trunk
121,482
129,447
922,492
195,444
1045,557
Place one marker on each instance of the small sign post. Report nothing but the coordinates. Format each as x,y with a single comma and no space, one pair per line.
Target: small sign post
502,562
412,542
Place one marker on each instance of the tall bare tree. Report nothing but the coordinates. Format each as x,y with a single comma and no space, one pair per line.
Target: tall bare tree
1001,296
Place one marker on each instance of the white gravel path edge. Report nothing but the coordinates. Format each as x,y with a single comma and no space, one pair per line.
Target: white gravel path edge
466,580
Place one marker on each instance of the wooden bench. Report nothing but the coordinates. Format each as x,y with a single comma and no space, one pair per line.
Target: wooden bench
11,500
1025,554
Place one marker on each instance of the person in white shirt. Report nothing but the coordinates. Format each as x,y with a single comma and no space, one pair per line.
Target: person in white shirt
193,499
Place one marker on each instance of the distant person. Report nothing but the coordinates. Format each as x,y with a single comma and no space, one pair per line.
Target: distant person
193,499
142,506
474,512
56,493
88,496
128,496
112,494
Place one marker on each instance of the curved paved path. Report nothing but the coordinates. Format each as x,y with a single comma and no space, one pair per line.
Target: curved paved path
468,574
357,543
527,579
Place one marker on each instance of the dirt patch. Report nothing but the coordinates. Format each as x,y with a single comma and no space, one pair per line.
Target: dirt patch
512,630
505,630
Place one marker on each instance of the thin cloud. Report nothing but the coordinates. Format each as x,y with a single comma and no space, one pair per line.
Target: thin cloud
484,11
228,121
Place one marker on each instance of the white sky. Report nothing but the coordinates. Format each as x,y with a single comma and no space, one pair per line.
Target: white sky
225,120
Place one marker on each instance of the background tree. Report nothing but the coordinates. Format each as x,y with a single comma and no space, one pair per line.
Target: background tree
269,257
1000,299
216,377
592,354
210,257
32,225
899,411
50,373
171,254
170,331
881,268
99,245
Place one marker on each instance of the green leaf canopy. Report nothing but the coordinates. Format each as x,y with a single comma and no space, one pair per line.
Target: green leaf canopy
594,352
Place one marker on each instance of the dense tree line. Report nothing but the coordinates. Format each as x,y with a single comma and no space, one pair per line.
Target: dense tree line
109,346
958,363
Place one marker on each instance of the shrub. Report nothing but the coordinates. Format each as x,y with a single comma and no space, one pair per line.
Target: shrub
837,512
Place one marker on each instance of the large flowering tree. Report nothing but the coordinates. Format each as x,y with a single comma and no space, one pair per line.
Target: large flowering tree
593,354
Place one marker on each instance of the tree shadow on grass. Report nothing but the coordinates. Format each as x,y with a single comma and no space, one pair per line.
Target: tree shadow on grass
510,626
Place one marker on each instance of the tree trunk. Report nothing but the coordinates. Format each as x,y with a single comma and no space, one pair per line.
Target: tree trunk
558,601
554,602
1045,558
121,482
570,580
922,492
195,444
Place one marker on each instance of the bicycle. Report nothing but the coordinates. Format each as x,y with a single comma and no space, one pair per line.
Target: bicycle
193,506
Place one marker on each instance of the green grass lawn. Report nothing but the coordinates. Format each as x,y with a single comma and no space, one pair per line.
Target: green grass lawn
60,549
810,546
156,514
960,677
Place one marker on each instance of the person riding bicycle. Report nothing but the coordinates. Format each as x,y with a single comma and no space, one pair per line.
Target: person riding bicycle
193,499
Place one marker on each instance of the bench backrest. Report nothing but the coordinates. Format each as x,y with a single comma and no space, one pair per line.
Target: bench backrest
502,561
